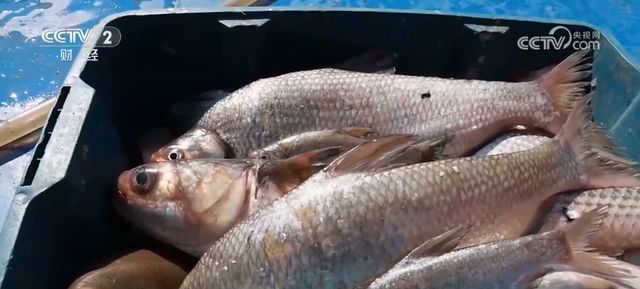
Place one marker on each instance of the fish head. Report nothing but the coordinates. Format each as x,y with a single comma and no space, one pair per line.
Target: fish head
270,152
197,143
188,204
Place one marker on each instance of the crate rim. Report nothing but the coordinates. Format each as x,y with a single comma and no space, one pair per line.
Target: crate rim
80,62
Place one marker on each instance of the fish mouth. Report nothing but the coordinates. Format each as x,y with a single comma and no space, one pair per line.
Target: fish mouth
159,156
124,185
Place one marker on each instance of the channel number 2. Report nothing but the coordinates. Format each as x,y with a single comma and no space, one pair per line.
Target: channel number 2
110,37
108,34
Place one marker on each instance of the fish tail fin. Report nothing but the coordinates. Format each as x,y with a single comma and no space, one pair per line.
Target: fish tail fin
565,83
594,151
578,235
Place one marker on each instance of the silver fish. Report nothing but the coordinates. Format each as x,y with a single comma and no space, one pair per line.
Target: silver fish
471,111
572,280
512,142
575,280
362,217
508,264
621,228
190,204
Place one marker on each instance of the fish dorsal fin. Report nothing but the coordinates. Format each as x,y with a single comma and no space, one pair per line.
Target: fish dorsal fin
371,156
359,132
439,245
391,70
289,173
375,61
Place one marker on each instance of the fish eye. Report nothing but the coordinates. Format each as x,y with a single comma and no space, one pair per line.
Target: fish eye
175,154
263,155
142,180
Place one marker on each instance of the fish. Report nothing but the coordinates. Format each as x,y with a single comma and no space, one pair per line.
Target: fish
511,142
471,111
346,139
190,204
140,269
363,216
513,263
621,229
571,280
312,140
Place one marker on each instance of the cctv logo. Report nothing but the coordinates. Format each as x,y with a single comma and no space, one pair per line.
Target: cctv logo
562,41
110,37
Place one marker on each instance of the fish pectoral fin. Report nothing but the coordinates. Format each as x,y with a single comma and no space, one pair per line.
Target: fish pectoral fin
429,150
359,132
433,149
289,173
389,152
371,156
439,245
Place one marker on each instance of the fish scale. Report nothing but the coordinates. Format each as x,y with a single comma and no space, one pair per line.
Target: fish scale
440,263
471,111
191,203
380,213
621,228
512,142
334,99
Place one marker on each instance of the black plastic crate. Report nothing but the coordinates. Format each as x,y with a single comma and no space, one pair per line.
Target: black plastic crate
62,222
